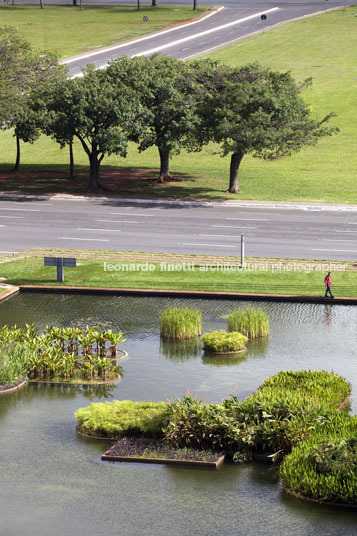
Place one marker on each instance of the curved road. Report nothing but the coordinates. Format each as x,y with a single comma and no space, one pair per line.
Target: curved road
237,20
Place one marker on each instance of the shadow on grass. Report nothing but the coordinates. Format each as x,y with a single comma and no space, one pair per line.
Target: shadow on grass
117,182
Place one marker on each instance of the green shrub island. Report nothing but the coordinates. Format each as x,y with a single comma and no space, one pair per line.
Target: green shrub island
14,360
251,322
179,323
221,342
123,418
61,354
294,416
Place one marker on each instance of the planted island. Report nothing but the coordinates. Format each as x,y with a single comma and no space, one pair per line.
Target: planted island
59,355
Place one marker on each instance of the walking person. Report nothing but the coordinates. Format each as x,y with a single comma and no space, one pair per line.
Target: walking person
328,285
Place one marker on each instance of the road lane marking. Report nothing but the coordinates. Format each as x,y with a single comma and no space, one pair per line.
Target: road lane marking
104,230
345,231
248,219
14,217
118,221
205,32
207,245
333,250
23,209
132,214
333,240
140,39
220,235
72,238
233,226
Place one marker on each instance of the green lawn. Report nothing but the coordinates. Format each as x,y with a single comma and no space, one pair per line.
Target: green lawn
322,47
67,30
30,271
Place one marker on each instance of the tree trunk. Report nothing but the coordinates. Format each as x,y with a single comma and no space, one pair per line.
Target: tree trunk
41,4
74,2
164,165
153,3
94,177
71,160
195,2
138,4
18,154
236,159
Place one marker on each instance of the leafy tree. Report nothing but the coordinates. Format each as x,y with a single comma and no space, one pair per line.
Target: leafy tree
95,111
166,90
260,111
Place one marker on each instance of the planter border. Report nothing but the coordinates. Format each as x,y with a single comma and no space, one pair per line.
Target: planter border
298,495
8,292
244,296
78,383
167,461
82,434
13,386
224,353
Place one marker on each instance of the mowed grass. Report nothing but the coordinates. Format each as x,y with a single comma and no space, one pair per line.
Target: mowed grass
322,47
90,273
68,30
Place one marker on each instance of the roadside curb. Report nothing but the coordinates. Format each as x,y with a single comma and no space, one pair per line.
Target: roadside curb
243,296
178,203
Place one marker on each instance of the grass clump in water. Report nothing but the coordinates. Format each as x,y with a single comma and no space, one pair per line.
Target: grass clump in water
14,360
179,323
123,418
221,342
251,322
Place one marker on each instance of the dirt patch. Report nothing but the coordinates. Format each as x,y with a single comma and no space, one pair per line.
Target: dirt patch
115,182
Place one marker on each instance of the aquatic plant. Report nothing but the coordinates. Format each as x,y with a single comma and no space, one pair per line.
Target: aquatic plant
68,354
220,342
251,322
179,323
125,417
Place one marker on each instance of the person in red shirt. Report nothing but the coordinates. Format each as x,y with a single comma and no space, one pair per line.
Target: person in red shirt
328,285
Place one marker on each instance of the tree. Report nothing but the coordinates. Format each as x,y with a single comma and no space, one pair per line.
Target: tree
164,86
22,70
260,111
95,111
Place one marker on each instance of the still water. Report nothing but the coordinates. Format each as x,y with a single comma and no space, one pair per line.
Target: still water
53,482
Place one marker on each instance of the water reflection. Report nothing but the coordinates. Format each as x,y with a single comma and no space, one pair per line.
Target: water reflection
177,351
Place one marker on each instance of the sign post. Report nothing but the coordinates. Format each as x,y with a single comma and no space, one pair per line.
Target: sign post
60,263
242,250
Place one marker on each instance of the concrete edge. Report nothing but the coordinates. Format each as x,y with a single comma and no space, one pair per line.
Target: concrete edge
244,296
178,203
8,292
14,386
167,461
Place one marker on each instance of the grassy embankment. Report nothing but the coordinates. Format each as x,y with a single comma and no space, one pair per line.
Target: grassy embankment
321,47
67,30
90,272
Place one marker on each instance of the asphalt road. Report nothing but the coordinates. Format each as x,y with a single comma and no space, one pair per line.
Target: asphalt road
238,19
208,230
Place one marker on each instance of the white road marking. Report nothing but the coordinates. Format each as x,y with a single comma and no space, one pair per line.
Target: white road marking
345,231
22,209
2,225
233,226
72,238
220,235
118,221
248,219
104,230
333,240
205,32
140,39
132,214
333,250
14,217
207,245
3,251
